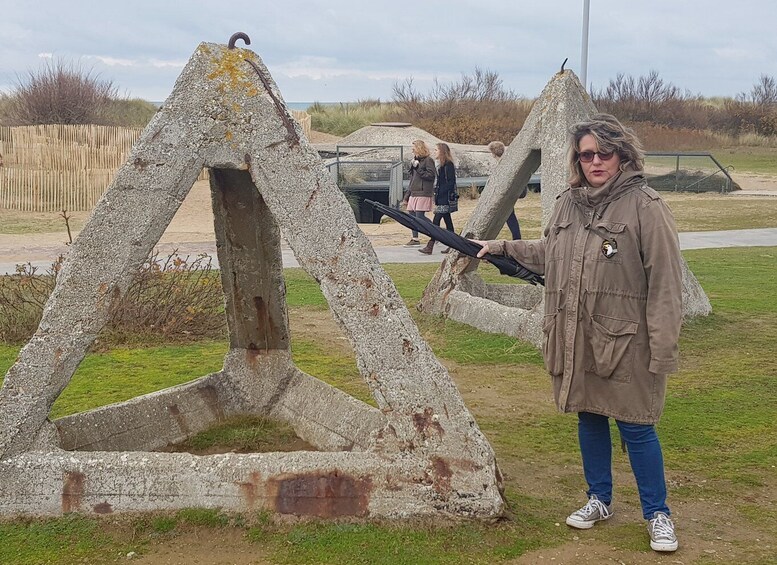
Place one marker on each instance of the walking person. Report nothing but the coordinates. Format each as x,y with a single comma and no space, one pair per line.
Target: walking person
613,309
497,149
446,197
420,192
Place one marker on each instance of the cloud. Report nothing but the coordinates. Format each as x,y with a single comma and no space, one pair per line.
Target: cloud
319,68
46,55
734,54
113,62
138,63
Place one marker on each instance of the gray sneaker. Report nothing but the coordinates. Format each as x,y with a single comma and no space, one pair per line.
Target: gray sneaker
594,511
661,530
413,243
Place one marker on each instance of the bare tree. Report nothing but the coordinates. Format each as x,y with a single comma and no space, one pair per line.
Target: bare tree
59,93
763,93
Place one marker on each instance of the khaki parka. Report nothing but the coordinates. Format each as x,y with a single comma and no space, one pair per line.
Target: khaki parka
613,299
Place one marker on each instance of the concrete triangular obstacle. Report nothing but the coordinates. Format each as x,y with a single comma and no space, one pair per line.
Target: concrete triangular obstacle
419,452
456,290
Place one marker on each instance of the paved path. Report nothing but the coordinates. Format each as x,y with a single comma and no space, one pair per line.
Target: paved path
398,254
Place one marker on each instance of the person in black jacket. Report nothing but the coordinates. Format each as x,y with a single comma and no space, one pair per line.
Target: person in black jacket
446,197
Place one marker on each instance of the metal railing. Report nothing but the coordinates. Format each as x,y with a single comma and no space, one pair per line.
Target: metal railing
364,173
704,174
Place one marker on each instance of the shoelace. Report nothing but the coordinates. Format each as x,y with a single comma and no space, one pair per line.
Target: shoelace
592,506
663,527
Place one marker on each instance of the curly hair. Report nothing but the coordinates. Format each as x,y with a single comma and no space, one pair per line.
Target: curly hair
610,135
420,149
497,148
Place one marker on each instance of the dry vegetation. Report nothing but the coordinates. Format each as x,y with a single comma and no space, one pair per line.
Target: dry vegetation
478,109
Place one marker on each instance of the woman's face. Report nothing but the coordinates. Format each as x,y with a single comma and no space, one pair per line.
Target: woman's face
415,150
436,152
597,171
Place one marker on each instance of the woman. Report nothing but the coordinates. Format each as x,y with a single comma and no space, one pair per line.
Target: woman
420,192
613,310
446,199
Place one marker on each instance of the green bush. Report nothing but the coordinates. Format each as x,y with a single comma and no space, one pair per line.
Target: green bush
130,112
345,118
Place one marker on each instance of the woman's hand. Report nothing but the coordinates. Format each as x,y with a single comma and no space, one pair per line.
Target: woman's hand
485,247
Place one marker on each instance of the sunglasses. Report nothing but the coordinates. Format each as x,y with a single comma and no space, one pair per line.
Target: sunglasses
588,156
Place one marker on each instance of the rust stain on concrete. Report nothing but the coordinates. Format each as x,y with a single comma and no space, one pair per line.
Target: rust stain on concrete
250,489
103,508
324,495
427,422
72,491
441,474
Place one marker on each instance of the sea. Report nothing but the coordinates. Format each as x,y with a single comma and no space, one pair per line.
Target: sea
306,105
289,105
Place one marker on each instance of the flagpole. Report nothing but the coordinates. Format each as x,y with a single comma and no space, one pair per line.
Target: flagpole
584,47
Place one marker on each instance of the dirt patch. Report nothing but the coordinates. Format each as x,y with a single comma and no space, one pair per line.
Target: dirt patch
220,547
321,137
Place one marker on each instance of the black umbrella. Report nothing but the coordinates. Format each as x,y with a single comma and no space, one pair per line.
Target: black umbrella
506,265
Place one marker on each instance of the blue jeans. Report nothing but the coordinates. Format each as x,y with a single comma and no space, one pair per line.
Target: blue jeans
647,461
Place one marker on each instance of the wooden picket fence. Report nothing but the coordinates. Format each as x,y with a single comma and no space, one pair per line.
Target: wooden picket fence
49,168
303,118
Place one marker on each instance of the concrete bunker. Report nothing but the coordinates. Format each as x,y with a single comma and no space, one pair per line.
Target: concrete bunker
419,453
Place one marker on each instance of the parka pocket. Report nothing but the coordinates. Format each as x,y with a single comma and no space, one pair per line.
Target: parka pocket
611,346
557,240
552,352
609,233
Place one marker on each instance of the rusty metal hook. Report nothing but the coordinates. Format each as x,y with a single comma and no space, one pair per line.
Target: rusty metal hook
236,36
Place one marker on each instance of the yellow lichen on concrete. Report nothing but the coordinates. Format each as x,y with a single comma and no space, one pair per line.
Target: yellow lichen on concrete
232,71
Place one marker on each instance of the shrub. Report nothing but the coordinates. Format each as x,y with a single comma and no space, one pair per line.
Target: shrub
59,93
476,109
753,112
22,298
129,113
649,99
173,298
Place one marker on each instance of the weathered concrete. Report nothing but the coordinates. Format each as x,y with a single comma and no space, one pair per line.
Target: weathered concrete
419,452
456,290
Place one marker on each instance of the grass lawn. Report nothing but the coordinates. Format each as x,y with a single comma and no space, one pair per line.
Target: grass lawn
751,159
718,433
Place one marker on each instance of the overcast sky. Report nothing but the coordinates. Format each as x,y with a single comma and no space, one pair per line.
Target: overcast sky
332,50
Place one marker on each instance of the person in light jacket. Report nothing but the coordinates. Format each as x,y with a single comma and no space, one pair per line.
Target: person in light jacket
420,192
613,310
